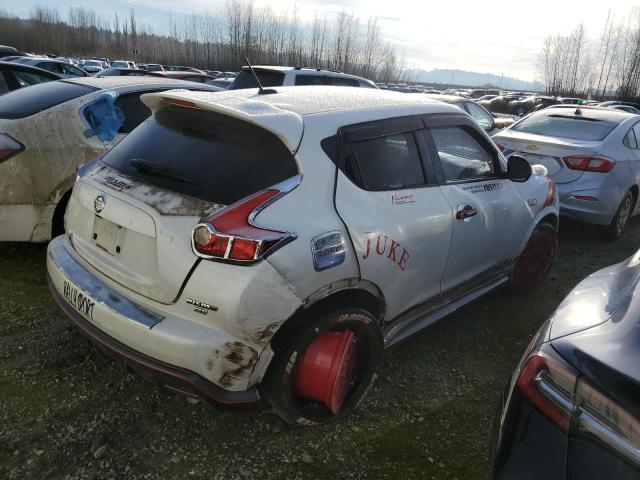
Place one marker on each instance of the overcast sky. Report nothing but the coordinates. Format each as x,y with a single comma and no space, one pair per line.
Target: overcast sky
484,36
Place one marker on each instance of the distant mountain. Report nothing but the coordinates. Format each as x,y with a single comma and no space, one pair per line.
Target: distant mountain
472,79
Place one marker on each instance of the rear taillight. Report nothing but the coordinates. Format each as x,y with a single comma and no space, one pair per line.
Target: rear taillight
551,193
608,420
229,234
589,164
549,386
8,147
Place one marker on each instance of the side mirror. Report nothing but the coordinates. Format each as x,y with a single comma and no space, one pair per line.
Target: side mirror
518,169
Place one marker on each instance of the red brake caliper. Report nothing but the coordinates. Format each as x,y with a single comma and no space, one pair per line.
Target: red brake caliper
326,370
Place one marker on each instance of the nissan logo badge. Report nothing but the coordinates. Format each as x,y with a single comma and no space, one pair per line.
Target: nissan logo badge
99,203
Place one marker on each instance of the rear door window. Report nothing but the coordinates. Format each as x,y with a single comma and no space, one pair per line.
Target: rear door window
573,127
385,163
268,78
70,70
341,81
26,79
462,156
135,112
310,80
203,154
49,66
4,85
630,139
29,101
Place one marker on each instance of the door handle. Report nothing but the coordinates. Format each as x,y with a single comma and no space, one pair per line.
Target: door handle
466,212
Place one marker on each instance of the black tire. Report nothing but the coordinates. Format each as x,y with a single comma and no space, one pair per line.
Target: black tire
620,219
535,260
278,384
57,222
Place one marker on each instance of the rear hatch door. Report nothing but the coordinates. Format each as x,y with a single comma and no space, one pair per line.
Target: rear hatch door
132,215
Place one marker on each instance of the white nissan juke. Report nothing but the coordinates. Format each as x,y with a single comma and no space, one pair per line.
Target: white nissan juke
245,245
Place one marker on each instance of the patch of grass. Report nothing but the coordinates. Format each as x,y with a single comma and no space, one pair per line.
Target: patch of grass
428,416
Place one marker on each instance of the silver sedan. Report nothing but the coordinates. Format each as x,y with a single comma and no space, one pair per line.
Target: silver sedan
592,154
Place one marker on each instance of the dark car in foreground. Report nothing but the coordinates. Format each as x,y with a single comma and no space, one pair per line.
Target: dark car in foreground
14,76
572,408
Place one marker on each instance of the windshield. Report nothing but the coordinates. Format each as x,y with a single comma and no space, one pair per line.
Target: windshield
573,127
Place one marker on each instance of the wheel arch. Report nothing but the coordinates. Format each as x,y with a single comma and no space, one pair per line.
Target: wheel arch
354,293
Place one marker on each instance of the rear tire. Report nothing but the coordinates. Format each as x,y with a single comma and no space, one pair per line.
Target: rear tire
535,260
620,219
57,222
279,385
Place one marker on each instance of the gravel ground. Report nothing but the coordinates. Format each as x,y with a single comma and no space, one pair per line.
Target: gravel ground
67,413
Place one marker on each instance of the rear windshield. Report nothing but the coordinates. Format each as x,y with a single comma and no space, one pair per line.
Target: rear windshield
268,78
566,127
202,154
29,101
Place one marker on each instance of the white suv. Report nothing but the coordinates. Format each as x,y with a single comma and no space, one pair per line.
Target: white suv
239,245
274,76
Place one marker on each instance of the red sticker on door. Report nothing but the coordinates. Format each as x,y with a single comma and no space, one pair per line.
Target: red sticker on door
387,247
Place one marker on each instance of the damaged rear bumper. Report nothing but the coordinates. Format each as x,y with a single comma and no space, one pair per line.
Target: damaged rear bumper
181,381
162,347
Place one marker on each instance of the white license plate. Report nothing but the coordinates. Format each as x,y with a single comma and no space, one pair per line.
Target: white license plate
78,299
107,235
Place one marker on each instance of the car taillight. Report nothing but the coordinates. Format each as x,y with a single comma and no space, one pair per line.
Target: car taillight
229,234
589,164
8,147
607,420
549,386
551,193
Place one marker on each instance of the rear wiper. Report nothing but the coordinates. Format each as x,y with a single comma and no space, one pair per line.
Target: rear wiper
157,170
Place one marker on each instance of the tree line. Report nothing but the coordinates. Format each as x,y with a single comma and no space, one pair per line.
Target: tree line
576,65
218,41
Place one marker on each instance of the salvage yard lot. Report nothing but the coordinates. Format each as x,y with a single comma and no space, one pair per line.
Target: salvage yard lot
429,414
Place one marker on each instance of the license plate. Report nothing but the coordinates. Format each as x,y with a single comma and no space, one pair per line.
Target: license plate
78,299
107,235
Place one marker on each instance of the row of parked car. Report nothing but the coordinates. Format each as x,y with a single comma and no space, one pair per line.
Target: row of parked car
343,221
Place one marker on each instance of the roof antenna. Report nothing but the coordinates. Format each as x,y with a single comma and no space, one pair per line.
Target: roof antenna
261,89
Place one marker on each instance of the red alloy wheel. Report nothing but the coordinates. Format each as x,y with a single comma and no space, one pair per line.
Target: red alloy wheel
326,370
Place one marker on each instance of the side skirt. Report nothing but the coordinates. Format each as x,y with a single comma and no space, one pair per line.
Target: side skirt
410,324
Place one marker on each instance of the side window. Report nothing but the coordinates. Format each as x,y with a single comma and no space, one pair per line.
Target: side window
480,115
341,81
135,112
461,155
630,140
310,80
50,66
4,87
365,84
636,132
195,78
385,163
26,79
70,70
